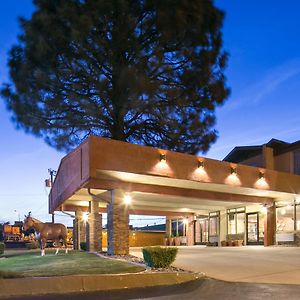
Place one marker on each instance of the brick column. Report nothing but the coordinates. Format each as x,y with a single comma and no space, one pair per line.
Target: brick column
79,230
94,228
117,225
190,236
269,226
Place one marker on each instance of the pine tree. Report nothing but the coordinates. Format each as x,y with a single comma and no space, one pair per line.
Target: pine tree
144,71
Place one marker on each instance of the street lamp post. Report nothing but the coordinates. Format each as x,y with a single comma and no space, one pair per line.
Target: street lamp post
17,212
52,174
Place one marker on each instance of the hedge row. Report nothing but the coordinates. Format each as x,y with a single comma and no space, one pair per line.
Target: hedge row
159,257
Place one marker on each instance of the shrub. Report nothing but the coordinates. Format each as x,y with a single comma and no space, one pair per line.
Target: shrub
159,257
83,246
33,245
2,247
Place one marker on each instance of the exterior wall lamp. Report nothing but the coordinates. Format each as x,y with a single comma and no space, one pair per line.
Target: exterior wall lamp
163,157
201,164
261,175
233,171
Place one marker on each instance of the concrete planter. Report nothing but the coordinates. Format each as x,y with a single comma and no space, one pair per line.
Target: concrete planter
230,243
224,243
171,241
177,240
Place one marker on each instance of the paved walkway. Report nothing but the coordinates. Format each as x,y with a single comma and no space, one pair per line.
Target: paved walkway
255,264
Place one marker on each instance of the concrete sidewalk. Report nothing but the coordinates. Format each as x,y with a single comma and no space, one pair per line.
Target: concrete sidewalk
253,264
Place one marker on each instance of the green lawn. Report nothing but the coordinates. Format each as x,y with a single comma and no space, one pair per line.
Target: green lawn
30,263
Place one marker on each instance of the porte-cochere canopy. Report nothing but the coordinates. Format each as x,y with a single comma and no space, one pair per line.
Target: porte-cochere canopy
163,182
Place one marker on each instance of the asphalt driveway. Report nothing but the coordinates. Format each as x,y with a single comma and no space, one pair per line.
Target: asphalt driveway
255,264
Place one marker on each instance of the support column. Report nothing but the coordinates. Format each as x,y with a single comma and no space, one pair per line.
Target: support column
269,225
168,226
190,235
117,225
94,228
223,227
79,230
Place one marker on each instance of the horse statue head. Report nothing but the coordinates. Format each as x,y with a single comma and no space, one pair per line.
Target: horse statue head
28,221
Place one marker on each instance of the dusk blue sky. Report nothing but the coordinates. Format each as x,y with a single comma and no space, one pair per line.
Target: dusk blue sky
263,40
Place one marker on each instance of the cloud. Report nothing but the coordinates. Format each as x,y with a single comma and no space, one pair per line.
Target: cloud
259,90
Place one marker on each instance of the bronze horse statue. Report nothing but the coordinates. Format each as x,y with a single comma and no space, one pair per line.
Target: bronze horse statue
47,231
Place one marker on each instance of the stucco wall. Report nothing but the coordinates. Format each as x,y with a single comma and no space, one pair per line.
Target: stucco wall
255,161
284,162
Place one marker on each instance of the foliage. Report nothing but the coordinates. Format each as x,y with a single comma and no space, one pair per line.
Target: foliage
159,257
148,72
33,245
2,247
1,235
83,246
30,263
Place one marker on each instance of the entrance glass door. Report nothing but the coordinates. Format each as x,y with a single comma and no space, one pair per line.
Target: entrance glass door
214,227
204,231
253,228
201,230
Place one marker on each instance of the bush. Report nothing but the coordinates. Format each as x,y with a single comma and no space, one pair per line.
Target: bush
83,246
2,247
159,257
33,245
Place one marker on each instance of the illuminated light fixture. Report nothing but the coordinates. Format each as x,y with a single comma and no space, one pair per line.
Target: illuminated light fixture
201,164
163,157
283,211
233,171
85,217
261,175
127,199
264,210
185,221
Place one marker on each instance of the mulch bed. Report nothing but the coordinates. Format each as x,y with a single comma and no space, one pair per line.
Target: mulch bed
140,262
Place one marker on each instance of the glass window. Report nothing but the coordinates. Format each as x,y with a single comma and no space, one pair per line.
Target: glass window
240,223
285,218
214,223
297,216
231,223
213,226
236,220
261,227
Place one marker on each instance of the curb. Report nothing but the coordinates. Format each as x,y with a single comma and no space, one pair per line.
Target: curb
89,283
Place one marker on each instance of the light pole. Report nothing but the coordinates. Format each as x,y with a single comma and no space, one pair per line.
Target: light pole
49,183
17,212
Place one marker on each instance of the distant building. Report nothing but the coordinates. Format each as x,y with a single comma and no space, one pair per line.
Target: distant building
276,155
